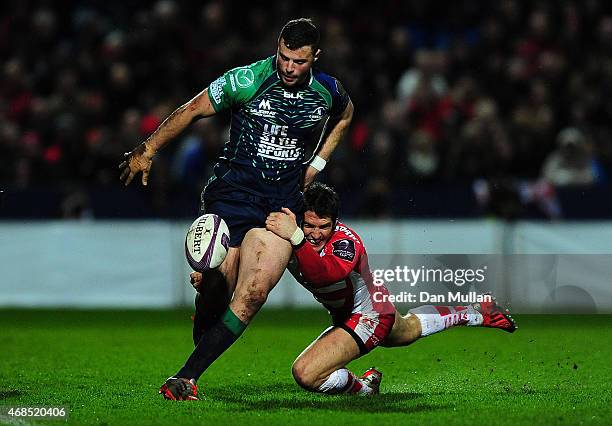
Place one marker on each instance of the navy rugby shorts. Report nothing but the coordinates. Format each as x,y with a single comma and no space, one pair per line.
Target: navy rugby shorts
243,210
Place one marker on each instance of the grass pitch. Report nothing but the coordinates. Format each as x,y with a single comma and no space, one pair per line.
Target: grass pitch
108,365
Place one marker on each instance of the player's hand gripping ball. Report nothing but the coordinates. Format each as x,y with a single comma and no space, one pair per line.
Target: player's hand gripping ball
207,242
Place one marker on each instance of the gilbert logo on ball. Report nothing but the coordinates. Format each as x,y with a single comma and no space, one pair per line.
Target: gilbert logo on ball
207,242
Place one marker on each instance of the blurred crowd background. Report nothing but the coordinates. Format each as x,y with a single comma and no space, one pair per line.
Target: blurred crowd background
462,109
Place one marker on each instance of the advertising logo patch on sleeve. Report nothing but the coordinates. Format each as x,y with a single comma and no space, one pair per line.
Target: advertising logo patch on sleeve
344,249
216,89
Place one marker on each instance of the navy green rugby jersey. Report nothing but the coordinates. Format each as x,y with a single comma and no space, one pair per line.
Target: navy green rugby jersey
271,125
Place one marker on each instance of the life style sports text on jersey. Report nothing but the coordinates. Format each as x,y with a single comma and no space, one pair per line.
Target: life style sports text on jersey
272,125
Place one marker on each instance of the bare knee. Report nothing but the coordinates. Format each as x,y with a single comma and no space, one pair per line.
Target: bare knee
260,269
304,376
256,244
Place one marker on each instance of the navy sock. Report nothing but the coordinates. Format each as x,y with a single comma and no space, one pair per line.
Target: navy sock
211,303
215,340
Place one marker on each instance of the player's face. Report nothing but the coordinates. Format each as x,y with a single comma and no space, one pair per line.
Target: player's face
294,65
317,230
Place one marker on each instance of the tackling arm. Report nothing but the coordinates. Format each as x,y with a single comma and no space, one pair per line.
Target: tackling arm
141,158
322,270
333,138
316,269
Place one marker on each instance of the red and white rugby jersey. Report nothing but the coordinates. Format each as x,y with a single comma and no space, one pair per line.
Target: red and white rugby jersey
339,276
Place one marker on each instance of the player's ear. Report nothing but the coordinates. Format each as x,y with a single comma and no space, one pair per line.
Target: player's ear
316,55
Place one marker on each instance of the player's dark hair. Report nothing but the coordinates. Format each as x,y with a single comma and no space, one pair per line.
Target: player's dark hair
299,33
322,200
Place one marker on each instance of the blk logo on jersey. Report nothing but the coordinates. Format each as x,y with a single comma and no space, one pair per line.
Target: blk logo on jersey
289,95
344,249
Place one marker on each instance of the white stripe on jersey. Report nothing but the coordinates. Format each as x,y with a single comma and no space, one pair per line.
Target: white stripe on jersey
362,300
361,297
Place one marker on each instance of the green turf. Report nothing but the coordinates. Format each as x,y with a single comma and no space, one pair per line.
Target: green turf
107,367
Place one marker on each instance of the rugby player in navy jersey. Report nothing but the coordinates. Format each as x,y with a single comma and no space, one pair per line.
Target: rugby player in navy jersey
278,106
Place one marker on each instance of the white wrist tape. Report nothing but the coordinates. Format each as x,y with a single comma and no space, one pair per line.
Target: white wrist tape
297,237
318,163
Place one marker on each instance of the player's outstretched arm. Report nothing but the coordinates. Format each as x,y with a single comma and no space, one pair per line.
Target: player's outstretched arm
333,138
140,158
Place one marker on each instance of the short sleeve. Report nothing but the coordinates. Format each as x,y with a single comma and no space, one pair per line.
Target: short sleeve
340,99
237,86
231,89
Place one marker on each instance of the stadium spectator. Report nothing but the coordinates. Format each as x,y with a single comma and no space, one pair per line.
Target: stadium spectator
483,148
572,163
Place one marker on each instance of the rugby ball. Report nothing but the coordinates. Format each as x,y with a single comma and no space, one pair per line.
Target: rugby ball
207,242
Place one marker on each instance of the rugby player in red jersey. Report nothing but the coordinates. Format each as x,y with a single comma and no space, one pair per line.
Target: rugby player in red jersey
330,260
